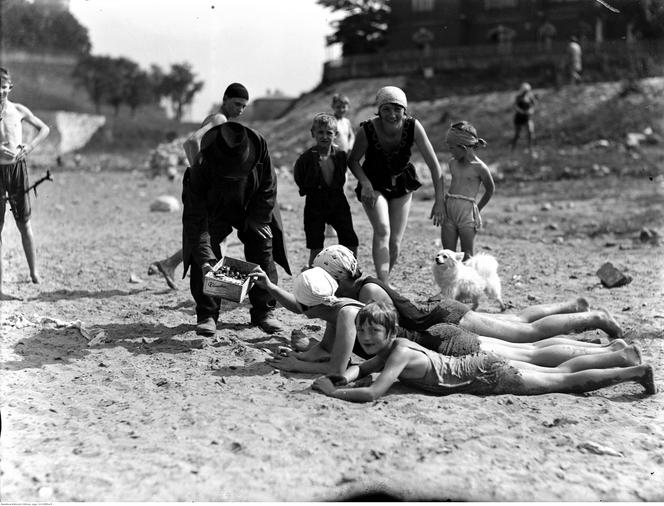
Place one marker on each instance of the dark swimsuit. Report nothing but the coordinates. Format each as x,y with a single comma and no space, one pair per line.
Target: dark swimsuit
390,173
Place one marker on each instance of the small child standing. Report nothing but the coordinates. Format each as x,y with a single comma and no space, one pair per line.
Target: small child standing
14,170
346,135
462,214
320,174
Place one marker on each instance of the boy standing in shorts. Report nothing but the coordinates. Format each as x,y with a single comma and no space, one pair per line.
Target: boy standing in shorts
320,174
462,215
14,181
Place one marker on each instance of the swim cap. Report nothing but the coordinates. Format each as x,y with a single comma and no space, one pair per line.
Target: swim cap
391,95
236,90
314,287
338,261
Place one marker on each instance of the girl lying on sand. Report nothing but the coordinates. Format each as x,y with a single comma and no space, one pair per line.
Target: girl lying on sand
481,373
314,296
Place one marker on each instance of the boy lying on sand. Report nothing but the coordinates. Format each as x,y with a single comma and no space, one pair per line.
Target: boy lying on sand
481,373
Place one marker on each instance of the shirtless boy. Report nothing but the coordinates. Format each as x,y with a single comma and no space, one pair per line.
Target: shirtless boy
462,214
14,181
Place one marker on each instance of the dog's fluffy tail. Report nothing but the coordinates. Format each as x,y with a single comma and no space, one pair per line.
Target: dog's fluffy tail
487,267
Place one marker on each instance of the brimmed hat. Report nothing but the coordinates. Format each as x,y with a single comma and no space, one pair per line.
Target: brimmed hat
229,145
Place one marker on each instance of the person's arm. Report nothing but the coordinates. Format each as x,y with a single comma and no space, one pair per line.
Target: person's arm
41,127
299,174
426,149
394,366
192,146
356,154
284,298
351,134
489,186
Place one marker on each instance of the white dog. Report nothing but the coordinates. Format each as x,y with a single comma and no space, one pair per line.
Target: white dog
465,281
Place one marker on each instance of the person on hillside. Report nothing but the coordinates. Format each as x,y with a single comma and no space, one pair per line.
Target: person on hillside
320,174
524,106
232,185
14,180
387,178
462,214
233,104
574,60
478,374
531,325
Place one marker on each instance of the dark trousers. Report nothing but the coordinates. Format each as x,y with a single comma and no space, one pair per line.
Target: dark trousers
256,250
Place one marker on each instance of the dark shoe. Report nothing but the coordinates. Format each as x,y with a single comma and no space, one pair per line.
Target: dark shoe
268,323
206,327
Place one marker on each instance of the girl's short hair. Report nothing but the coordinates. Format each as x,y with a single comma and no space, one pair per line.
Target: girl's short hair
378,313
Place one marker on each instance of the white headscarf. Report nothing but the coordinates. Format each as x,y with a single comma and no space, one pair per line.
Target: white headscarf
391,95
314,287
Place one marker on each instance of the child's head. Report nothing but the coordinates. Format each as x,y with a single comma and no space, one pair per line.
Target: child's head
339,262
376,325
5,78
340,105
525,88
462,137
314,287
324,129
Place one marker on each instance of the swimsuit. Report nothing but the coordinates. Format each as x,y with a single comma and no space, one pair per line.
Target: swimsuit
390,173
461,212
480,374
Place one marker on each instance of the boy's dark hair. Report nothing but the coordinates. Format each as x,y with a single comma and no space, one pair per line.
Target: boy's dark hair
5,75
378,313
324,119
340,98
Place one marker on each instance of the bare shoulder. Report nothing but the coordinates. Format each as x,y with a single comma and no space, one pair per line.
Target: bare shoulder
214,119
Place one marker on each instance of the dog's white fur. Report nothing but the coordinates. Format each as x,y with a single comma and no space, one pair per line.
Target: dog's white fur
466,281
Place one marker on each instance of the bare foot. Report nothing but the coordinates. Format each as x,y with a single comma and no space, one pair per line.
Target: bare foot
35,278
166,270
648,380
609,325
581,305
632,355
617,345
6,296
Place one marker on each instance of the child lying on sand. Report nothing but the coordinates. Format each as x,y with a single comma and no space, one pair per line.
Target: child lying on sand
481,373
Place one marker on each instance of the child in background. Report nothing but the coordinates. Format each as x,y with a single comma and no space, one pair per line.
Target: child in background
462,214
346,135
320,174
479,374
14,170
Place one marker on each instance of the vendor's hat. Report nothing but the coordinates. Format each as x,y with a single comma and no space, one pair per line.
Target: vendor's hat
391,95
229,145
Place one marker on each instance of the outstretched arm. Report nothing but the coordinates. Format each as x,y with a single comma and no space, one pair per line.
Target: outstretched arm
284,298
426,149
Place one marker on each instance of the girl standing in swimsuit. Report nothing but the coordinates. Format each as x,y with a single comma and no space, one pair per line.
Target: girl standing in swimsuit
387,178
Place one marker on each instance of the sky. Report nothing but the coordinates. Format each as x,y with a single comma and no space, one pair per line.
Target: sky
264,44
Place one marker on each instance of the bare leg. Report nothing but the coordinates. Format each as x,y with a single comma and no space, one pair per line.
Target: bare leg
549,326
532,313
399,209
380,222
549,356
449,237
167,268
467,240
535,382
29,248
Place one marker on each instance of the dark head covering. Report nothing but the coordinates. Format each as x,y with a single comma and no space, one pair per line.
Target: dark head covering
236,90
229,147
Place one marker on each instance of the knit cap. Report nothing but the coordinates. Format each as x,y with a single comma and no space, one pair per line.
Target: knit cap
338,261
314,287
391,95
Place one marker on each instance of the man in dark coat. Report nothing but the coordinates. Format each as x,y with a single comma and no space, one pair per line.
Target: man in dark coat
232,186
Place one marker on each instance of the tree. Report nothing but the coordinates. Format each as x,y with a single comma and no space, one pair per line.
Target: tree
140,91
96,75
364,28
180,87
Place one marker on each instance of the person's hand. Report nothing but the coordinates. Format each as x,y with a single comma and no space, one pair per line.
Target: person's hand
437,212
262,229
206,267
323,384
288,363
259,277
22,152
6,152
368,194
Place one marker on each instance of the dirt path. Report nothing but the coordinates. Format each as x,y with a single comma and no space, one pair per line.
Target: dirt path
148,411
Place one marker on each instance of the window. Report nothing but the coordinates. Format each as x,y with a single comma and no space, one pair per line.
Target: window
422,5
500,4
